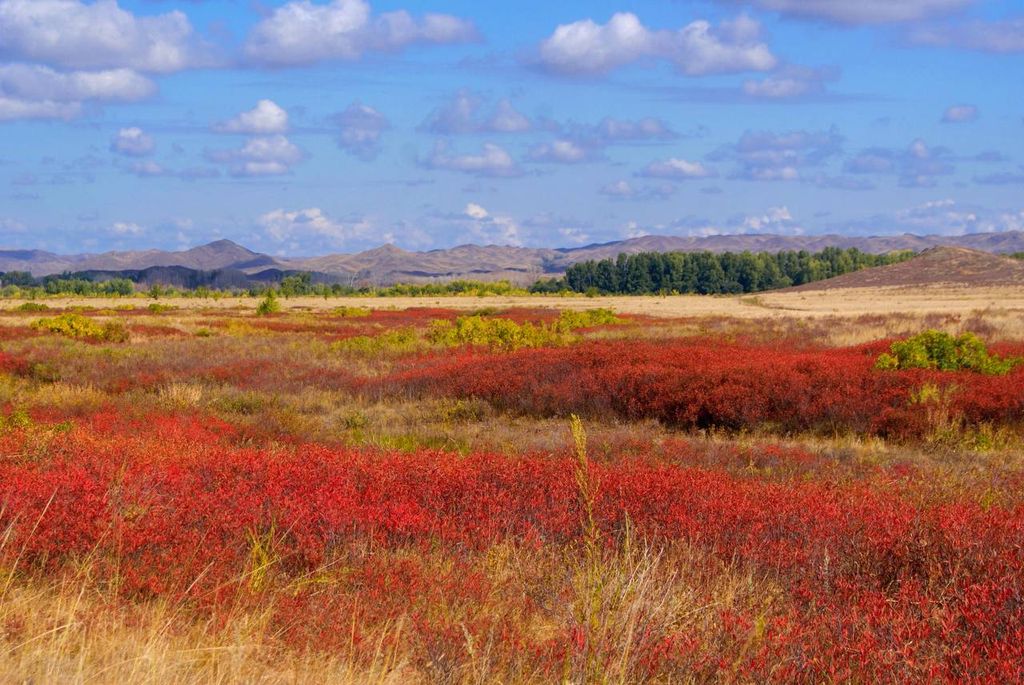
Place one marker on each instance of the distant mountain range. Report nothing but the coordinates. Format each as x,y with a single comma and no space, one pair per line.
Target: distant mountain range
389,264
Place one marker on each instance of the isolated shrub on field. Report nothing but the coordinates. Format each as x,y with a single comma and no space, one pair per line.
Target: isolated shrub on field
269,305
32,307
938,350
571,319
498,334
397,340
352,312
81,327
157,308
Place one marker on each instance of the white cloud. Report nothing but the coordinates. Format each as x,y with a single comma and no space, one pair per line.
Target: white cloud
361,129
305,224
11,109
148,169
303,32
677,170
126,228
633,229
475,211
769,156
485,227
998,36
940,217
99,35
917,165
260,156
588,48
958,114
464,114
624,190
562,152
791,81
133,142
40,84
266,118
493,160
39,92
507,119
773,220
854,12
611,130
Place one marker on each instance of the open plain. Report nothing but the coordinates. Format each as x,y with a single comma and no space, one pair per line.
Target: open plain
491,489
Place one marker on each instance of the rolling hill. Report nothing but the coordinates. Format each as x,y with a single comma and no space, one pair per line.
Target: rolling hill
390,264
949,266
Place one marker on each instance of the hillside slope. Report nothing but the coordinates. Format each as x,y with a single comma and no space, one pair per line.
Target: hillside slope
955,266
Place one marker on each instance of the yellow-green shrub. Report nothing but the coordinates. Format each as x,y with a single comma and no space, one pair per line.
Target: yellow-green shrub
352,312
499,334
938,350
81,327
587,318
394,341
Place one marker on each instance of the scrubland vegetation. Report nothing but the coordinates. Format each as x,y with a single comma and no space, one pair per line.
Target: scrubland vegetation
424,495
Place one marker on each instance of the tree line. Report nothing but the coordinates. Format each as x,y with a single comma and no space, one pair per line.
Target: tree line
709,273
705,273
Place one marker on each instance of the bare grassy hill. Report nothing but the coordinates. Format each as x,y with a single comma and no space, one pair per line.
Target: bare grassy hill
956,266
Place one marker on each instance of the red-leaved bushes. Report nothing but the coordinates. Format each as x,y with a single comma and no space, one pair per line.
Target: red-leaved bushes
704,383
874,586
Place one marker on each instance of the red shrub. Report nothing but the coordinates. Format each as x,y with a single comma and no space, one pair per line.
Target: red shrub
705,383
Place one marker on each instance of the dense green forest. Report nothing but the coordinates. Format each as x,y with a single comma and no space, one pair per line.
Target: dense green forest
638,274
20,284
709,273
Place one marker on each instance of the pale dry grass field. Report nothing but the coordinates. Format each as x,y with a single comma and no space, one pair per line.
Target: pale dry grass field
845,302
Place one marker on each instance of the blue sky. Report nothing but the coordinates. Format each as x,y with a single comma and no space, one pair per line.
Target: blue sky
319,126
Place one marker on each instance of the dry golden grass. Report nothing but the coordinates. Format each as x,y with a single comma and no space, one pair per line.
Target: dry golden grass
68,632
845,302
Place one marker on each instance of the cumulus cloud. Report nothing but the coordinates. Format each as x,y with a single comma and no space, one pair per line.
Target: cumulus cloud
490,229
303,32
150,169
563,152
465,113
958,114
861,11
791,81
773,220
998,36
677,170
260,156
768,156
40,92
13,108
611,130
940,217
492,160
38,83
133,142
125,228
266,118
624,190
586,48
99,35
917,166
304,224
361,129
